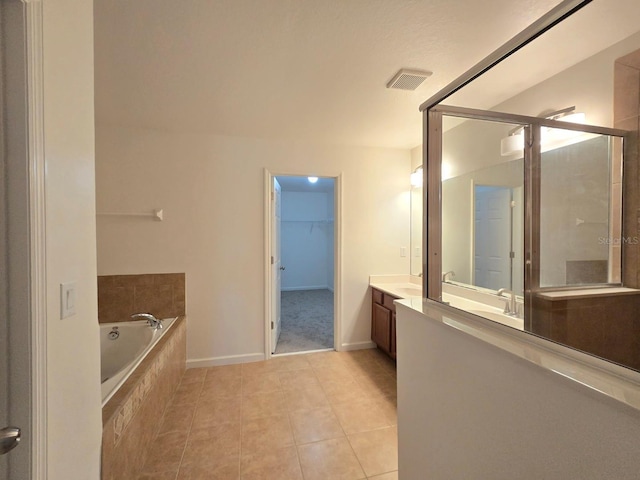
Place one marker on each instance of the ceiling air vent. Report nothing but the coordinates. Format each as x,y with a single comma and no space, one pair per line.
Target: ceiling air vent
407,79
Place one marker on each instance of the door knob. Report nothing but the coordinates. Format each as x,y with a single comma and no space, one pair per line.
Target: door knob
282,268
9,439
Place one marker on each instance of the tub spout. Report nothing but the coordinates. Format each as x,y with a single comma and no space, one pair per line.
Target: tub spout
151,320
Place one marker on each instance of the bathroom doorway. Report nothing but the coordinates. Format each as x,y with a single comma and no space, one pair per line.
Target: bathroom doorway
303,269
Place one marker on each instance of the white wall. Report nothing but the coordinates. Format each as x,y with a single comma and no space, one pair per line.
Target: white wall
212,191
467,409
416,216
307,240
73,350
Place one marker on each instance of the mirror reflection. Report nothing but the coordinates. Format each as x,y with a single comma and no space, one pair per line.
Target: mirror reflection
482,209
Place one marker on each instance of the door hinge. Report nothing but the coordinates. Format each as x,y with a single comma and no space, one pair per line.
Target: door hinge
512,254
271,259
272,195
271,325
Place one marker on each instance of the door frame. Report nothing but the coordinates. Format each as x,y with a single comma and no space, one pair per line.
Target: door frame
29,341
337,251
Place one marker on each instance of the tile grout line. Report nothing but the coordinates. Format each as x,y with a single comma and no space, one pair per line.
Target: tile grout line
190,426
241,421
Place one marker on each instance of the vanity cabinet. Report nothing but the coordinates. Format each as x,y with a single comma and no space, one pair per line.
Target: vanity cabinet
383,321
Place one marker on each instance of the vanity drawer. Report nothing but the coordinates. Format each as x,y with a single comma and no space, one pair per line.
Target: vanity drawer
388,302
377,296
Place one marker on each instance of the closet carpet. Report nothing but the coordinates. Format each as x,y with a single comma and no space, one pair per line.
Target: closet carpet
306,321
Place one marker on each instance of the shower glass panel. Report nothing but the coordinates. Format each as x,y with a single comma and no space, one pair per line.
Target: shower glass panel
580,208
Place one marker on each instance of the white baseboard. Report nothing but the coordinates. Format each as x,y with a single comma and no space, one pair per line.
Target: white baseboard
228,360
295,289
346,347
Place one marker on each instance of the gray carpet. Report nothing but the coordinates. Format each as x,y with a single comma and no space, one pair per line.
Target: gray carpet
307,321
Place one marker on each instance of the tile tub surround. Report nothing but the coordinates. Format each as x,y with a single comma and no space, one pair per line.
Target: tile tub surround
329,415
131,417
120,296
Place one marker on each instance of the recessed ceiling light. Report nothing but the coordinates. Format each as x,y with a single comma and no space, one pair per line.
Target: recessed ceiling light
312,179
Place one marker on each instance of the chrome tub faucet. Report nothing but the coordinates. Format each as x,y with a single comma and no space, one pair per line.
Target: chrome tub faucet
153,322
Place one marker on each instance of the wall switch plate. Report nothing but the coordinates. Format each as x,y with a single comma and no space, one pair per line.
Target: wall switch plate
417,254
67,299
403,251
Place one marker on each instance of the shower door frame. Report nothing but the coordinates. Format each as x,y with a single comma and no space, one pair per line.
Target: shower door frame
532,180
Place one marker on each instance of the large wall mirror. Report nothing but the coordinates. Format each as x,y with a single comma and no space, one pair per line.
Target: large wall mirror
532,194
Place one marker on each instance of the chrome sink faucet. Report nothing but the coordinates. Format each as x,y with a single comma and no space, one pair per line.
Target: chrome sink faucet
153,322
510,305
450,274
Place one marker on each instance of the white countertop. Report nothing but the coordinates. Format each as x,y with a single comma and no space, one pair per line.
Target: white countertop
587,292
400,286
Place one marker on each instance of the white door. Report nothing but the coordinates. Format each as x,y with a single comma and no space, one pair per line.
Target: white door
276,264
492,252
4,347
15,319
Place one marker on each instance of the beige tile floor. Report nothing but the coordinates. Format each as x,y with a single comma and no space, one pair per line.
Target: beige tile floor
319,416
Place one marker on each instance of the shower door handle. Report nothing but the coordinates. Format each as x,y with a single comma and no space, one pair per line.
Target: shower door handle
9,439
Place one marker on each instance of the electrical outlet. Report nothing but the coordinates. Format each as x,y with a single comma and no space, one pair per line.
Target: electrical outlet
403,251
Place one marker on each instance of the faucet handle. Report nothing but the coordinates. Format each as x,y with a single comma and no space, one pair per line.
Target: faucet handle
506,301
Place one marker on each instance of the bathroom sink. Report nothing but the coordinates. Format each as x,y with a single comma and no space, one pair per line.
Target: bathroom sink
409,291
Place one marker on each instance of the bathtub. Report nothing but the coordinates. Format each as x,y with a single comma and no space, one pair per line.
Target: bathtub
123,345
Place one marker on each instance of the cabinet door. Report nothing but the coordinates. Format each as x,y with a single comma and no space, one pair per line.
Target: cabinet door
381,327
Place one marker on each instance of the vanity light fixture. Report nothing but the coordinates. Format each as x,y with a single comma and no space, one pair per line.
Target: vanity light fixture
312,179
551,137
417,177
513,143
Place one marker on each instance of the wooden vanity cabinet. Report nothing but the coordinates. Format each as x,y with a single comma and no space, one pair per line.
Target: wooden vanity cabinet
383,322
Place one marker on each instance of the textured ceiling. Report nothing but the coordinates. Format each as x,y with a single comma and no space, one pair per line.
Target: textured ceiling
308,70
